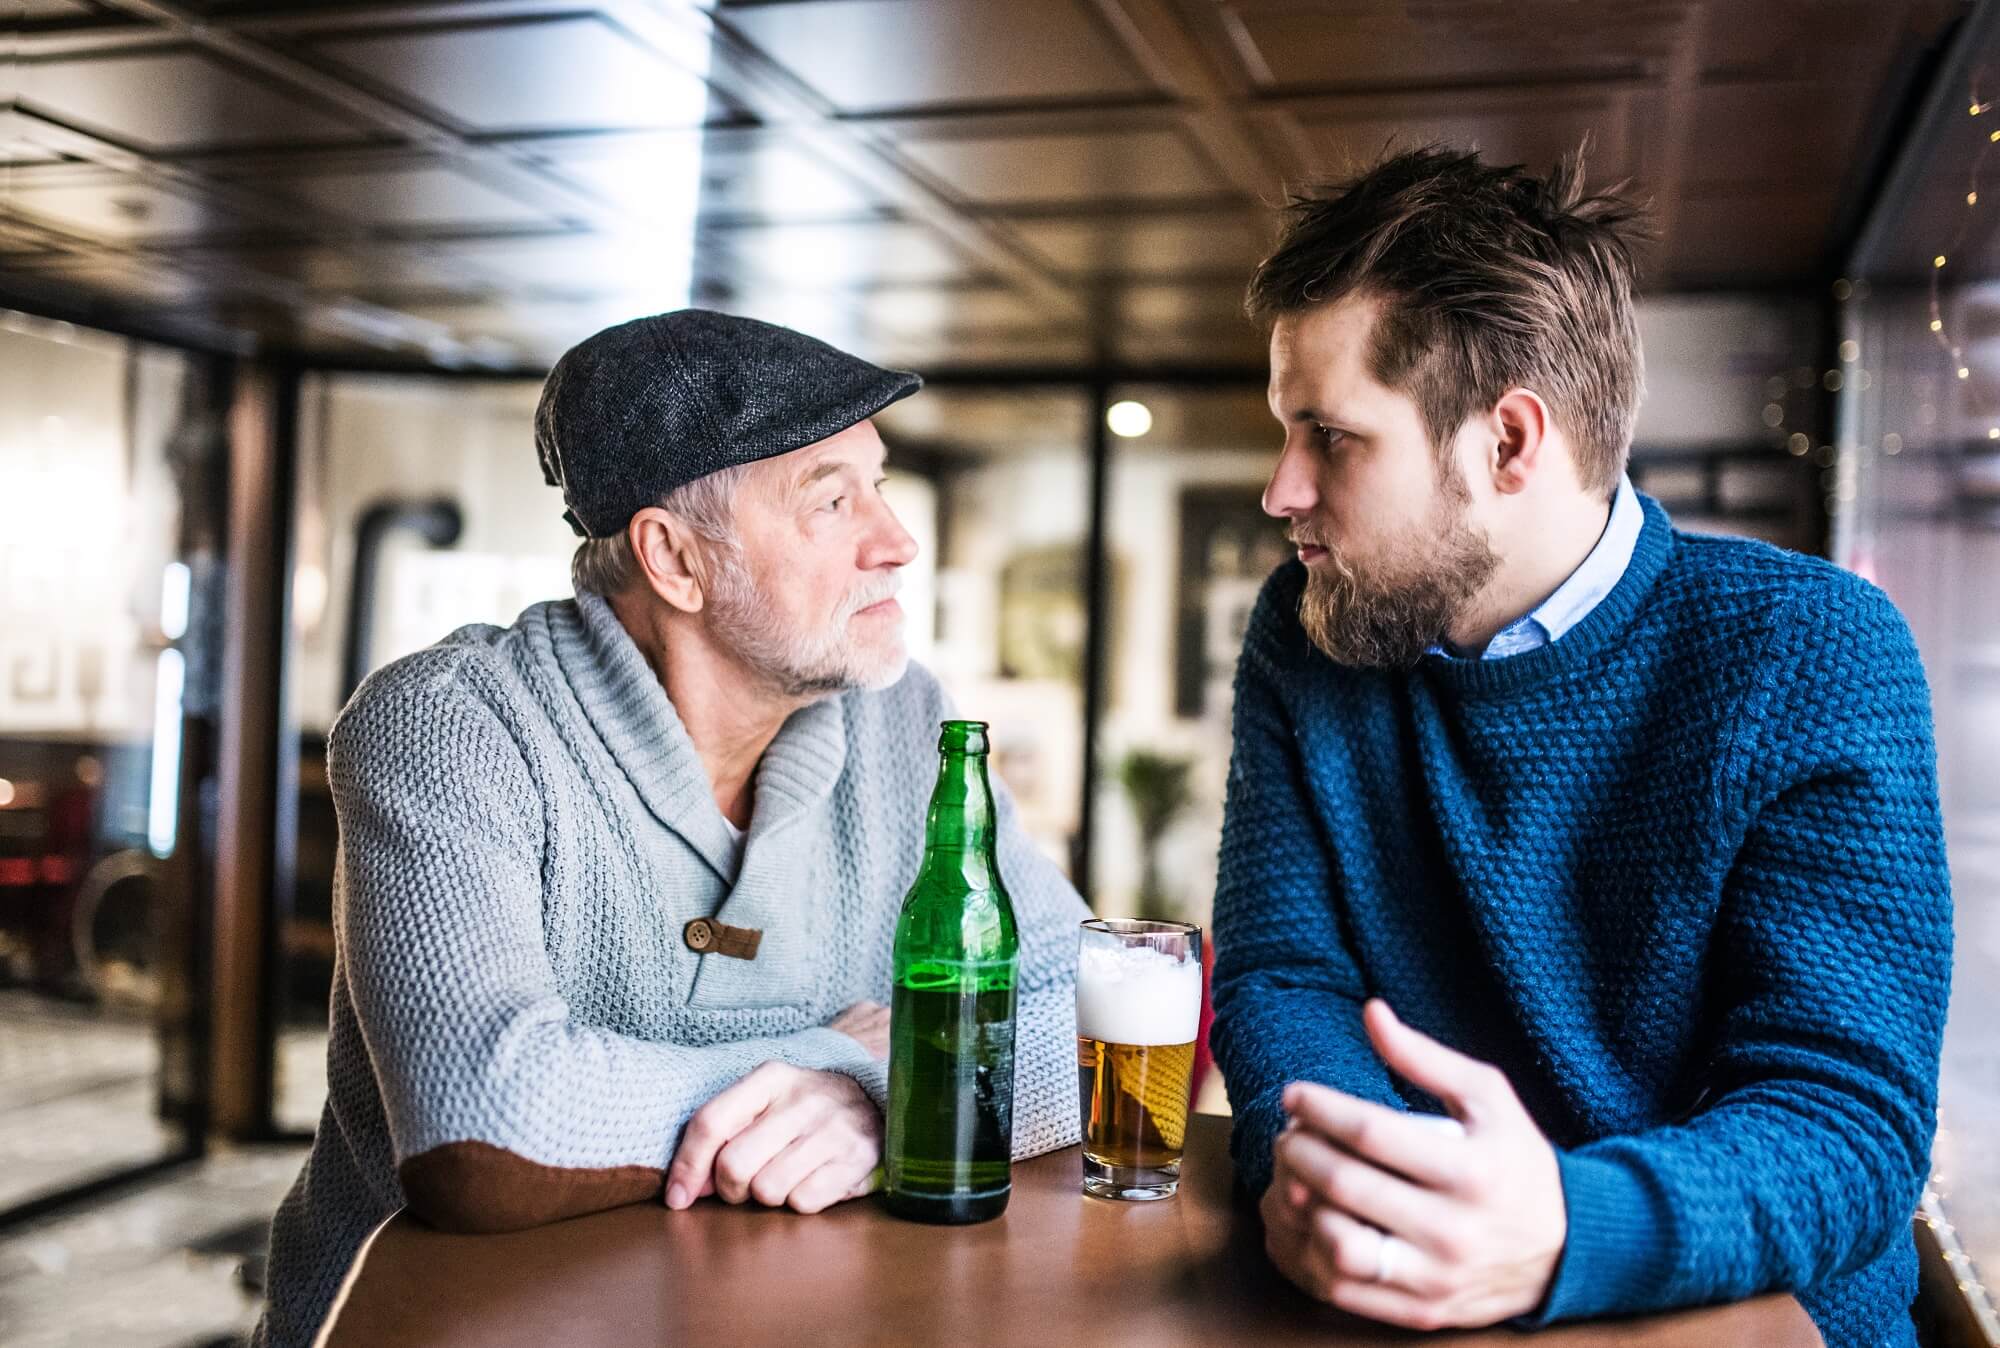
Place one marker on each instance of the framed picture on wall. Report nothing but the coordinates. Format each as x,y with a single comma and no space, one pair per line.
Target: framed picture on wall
1228,546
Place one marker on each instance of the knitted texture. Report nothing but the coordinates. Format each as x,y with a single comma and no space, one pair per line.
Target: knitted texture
525,829
1680,875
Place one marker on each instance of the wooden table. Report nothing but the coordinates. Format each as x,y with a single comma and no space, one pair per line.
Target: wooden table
1056,1270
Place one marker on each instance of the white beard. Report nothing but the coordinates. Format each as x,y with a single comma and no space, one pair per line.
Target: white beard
799,663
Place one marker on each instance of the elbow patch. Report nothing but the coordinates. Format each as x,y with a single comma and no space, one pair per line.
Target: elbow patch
478,1188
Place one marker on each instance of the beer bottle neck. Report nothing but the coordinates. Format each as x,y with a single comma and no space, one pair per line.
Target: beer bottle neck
960,828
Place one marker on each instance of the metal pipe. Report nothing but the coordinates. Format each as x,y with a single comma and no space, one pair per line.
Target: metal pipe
438,522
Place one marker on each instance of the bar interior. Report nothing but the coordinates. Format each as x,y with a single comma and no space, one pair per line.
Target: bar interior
281,285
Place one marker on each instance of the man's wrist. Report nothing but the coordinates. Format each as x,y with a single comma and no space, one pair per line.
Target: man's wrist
1613,1258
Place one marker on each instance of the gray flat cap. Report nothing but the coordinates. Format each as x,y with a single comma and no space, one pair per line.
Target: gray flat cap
651,405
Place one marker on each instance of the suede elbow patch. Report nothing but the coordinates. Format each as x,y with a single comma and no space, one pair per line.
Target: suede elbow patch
476,1187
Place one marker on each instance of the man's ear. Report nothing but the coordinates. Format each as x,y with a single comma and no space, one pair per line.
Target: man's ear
1523,439
669,558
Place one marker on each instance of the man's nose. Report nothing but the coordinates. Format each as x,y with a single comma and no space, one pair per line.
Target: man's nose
1291,492
887,542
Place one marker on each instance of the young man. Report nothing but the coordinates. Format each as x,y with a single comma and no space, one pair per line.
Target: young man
1619,845
618,884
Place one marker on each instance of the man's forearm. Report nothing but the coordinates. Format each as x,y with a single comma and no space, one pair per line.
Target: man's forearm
1266,1035
1045,1102
1776,1187
574,1120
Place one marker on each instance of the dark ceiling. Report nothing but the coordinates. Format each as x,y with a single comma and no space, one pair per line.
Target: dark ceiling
967,182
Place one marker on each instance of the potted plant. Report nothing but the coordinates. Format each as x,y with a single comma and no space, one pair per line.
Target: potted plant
1157,787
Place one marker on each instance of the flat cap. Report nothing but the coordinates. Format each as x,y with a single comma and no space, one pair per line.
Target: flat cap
647,406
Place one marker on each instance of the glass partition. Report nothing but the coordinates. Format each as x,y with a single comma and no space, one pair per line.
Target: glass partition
1915,496
1189,548
102,651
998,485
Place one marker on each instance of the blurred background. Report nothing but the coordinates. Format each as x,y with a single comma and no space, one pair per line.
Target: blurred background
281,279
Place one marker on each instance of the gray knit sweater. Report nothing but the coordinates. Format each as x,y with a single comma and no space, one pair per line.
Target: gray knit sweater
519,1029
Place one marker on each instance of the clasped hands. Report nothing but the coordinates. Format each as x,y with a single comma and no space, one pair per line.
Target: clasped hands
787,1136
1404,1218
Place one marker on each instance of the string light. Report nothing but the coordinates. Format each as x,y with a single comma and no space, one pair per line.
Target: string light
1976,107
1958,1266
1804,379
1834,380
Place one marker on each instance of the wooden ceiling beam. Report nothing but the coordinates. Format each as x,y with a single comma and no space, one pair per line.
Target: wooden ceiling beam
778,99
1666,162
495,163
1162,47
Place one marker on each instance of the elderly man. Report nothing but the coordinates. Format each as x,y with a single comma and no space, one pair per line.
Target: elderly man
618,884
1619,844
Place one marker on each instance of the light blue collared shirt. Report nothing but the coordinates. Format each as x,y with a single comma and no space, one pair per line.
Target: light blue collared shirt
1583,591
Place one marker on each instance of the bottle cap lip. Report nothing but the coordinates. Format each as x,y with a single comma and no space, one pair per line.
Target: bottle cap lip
962,737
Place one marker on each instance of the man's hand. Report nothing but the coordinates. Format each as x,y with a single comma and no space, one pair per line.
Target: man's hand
868,1024
1392,1216
783,1136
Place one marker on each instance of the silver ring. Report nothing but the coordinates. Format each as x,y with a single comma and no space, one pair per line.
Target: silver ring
1385,1257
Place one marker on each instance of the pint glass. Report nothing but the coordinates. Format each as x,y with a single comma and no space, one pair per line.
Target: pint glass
1138,1008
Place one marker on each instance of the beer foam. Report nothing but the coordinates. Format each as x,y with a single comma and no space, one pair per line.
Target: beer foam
1137,995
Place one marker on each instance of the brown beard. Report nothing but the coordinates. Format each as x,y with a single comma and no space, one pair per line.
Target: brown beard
1387,616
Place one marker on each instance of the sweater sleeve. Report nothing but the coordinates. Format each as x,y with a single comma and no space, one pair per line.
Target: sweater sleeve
1832,973
1287,989
503,1111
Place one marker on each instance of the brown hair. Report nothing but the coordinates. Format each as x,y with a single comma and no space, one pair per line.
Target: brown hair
1489,279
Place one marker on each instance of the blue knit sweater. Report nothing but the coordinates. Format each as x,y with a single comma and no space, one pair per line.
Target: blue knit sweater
1681,875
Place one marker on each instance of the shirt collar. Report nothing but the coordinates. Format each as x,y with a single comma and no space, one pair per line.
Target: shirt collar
1586,587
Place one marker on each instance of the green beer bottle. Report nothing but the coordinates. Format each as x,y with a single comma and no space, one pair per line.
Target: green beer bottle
951,1026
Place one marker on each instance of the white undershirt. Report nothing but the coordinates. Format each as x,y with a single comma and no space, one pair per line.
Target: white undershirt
735,848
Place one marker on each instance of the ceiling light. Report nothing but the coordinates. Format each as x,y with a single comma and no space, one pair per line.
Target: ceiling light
1129,419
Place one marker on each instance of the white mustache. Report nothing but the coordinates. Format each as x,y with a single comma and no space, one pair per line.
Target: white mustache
870,594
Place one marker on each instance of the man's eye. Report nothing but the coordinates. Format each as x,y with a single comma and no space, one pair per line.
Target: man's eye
1327,435
833,507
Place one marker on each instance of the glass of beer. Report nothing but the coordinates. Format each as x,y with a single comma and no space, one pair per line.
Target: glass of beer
1138,1008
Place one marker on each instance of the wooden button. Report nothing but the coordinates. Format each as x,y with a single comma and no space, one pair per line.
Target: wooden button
704,935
